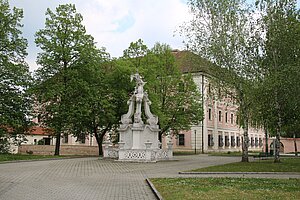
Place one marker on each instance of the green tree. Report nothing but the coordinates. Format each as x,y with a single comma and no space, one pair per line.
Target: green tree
100,99
279,86
174,96
14,77
224,32
65,47
136,50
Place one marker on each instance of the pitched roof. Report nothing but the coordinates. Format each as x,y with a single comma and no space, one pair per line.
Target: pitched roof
189,62
37,130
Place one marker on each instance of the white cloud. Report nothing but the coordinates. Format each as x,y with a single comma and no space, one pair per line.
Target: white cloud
153,21
116,23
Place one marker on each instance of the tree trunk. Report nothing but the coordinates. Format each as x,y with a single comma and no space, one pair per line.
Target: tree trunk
57,144
295,144
244,122
99,139
245,144
99,144
277,148
266,145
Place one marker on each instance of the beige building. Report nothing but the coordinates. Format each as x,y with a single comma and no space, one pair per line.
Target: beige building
219,132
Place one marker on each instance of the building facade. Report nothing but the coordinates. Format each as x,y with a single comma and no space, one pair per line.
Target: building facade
218,132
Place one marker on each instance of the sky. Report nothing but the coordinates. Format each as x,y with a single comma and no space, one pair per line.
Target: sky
114,24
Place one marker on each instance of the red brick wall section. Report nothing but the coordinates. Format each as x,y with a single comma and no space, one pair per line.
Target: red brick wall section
64,150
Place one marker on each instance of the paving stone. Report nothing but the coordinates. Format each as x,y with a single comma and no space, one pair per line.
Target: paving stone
92,178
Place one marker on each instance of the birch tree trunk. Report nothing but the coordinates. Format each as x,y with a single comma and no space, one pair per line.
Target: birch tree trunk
245,144
277,148
267,144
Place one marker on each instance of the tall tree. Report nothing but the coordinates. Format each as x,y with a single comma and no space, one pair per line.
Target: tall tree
101,99
14,76
65,46
222,31
279,85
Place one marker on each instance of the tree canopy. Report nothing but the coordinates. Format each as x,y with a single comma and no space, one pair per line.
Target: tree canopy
174,95
66,49
14,75
278,88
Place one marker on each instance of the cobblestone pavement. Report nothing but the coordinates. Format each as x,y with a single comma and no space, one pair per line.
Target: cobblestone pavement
92,178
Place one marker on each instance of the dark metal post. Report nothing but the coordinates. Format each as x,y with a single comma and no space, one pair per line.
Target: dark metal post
202,145
202,123
266,140
195,142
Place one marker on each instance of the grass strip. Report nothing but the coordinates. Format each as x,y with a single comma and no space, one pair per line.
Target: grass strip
227,188
15,157
286,165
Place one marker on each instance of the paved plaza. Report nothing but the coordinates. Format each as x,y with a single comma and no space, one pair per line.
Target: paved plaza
93,178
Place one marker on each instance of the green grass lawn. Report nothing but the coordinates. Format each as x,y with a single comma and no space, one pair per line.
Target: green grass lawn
286,165
13,157
227,188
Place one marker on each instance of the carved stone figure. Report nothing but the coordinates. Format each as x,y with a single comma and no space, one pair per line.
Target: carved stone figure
136,102
139,95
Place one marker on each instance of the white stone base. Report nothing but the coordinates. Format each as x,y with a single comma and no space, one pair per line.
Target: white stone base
137,155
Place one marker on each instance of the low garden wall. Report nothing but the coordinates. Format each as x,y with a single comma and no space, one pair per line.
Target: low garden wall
64,150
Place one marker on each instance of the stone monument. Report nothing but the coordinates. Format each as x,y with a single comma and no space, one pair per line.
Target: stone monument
138,141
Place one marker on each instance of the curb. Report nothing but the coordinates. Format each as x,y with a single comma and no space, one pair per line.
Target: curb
195,173
153,189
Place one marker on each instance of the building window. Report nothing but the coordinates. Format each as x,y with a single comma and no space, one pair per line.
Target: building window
66,139
81,138
47,141
220,141
209,113
181,139
209,89
226,117
238,141
252,142
231,118
220,116
260,142
227,141
256,142
232,141
210,140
